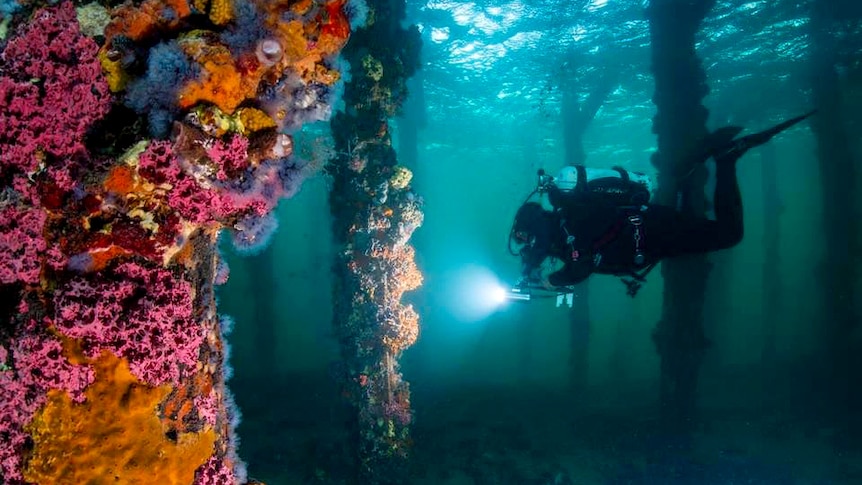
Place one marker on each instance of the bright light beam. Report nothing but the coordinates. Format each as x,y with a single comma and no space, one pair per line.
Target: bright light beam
475,294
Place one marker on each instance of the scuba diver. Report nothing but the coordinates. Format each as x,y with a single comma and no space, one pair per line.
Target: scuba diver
608,226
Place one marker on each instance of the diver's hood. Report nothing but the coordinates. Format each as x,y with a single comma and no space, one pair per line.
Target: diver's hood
530,219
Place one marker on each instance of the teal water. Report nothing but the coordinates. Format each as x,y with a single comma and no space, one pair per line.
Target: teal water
491,384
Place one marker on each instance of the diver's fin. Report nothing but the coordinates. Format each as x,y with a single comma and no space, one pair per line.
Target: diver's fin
764,136
720,144
722,136
734,149
714,142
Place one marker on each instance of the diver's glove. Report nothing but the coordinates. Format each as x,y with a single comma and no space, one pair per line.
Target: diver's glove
535,280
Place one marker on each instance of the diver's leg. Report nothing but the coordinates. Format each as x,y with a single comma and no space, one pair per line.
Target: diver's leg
727,199
669,232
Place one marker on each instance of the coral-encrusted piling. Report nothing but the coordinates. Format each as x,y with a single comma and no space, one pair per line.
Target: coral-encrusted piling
120,163
680,121
375,213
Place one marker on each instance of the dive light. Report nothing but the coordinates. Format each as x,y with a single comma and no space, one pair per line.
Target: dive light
519,293
523,292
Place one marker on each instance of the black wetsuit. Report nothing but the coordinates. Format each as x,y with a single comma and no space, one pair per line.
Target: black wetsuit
609,240
589,237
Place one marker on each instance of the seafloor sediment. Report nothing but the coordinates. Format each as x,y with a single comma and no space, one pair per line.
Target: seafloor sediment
524,436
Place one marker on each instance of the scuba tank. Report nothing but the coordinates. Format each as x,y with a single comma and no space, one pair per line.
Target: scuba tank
577,184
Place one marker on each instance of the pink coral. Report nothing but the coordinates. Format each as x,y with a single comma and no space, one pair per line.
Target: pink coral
158,164
200,200
230,157
62,178
208,407
17,405
194,203
141,314
21,244
215,472
37,365
52,115
39,362
227,469
398,411
222,272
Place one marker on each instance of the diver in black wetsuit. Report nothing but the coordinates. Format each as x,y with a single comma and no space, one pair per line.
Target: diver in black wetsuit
591,237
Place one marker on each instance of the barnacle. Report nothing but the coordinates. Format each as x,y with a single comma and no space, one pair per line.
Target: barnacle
269,144
269,52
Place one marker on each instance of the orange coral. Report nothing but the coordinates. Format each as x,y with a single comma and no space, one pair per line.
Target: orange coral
147,19
221,84
406,332
306,45
254,120
301,7
405,272
120,180
293,40
116,434
116,77
334,29
221,11
336,23
100,257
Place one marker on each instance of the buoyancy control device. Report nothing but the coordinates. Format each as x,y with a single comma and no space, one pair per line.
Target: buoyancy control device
577,184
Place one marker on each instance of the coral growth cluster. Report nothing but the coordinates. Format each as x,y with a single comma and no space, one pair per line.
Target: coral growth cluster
375,212
130,137
380,267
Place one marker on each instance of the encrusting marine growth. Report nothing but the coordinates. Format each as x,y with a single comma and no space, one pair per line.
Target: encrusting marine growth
130,136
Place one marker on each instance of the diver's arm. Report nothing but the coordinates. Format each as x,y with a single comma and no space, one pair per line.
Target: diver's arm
571,273
531,266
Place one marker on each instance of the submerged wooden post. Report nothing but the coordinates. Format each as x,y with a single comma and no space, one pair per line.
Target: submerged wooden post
838,172
123,153
680,86
374,213
772,211
576,118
